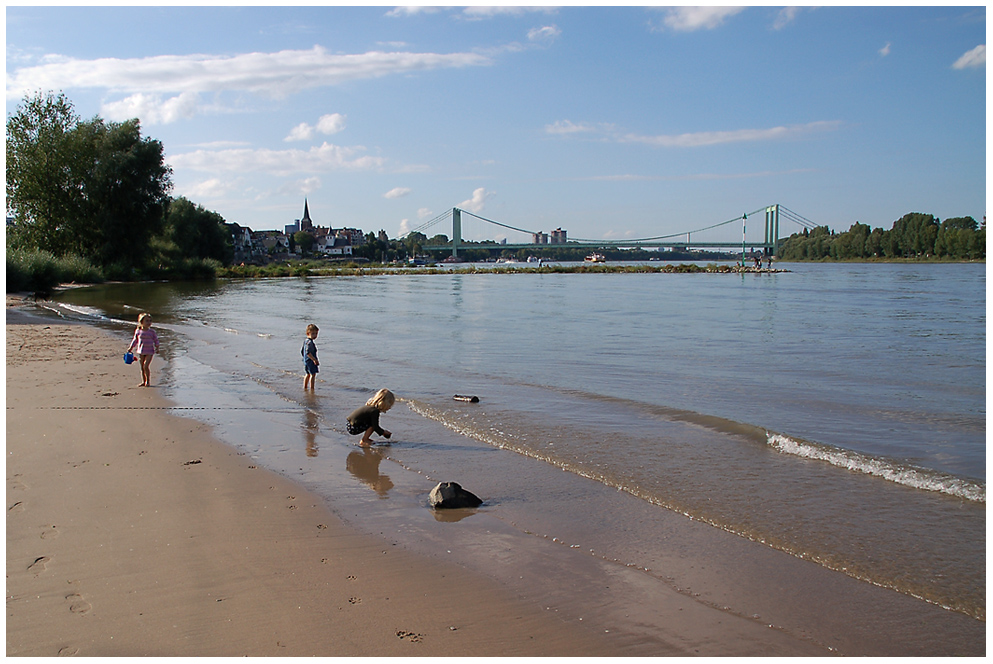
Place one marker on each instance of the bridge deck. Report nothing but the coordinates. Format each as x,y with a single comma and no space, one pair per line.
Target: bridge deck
603,245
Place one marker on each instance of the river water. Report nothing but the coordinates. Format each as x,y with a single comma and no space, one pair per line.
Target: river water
835,413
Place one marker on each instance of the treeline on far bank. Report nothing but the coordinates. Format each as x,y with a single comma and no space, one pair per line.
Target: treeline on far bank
913,236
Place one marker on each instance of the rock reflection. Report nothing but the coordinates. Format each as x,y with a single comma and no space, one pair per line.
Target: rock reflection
453,515
364,465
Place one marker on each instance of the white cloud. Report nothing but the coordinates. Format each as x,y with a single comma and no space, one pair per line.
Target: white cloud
884,51
322,159
211,189
974,58
412,10
784,17
273,74
309,185
567,127
481,13
331,123
544,35
326,124
688,19
704,138
302,132
152,110
397,192
404,227
424,213
690,140
217,145
478,200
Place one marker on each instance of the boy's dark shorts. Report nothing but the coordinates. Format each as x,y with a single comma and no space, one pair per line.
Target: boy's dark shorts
354,429
310,367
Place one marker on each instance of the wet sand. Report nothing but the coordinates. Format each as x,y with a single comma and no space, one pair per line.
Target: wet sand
131,531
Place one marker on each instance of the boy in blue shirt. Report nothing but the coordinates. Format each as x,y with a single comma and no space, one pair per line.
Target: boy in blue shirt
310,362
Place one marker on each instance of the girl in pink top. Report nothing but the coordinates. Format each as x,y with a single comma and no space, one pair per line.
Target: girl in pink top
146,343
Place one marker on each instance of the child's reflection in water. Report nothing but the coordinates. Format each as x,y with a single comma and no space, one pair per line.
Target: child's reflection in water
364,465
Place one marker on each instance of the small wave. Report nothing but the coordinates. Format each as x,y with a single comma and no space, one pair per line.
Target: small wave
78,309
912,476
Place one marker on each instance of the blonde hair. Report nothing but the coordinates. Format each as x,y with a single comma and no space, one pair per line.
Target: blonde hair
142,316
383,400
312,328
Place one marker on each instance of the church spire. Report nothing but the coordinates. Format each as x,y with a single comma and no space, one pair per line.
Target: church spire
305,222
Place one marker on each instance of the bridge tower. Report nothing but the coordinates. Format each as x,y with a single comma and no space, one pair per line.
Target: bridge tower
772,228
456,231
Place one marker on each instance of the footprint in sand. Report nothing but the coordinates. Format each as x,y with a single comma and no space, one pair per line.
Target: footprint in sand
15,508
354,600
77,604
38,565
68,651
17,485
49,532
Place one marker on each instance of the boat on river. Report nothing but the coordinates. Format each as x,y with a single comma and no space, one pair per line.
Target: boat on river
595,258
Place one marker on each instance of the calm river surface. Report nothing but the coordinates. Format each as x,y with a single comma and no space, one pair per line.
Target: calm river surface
835,412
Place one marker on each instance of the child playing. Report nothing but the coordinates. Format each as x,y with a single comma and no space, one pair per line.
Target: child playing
309,353
365,420
146,342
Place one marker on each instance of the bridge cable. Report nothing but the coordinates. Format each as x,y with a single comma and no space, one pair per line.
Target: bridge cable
796,218
665,237
497,223
427,224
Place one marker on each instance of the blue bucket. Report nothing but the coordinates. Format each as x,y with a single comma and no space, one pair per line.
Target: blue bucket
128,358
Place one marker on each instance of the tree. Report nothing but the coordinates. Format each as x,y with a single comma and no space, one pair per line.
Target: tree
914,234
87,188
304,240
197,232
957,238
44,175
127,192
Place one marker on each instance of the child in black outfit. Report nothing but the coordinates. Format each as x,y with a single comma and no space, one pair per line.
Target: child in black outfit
365,420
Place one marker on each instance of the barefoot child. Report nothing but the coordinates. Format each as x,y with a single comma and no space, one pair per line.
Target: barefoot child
310,362
146,342
365,420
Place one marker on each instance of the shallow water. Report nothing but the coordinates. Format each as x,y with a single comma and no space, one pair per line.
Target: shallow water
832,412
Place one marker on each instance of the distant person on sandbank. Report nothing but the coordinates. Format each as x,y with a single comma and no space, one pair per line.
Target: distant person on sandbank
365,420
146,343
311,365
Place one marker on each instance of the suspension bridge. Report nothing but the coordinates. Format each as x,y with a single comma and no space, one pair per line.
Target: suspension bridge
757,230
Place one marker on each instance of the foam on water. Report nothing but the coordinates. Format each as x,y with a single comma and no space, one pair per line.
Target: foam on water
901,473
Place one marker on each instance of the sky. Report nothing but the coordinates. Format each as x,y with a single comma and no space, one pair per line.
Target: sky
608,122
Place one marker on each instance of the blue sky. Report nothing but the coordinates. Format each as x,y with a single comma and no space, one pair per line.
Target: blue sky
609,122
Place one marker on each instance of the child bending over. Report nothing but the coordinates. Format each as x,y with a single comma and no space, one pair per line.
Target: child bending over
365,420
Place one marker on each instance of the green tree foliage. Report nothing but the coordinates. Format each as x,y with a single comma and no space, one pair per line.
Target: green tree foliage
45,175
197,232
914,235
304,240
961,237
375,249
91,188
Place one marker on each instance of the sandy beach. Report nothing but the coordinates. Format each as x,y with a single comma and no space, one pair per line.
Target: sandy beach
133,531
